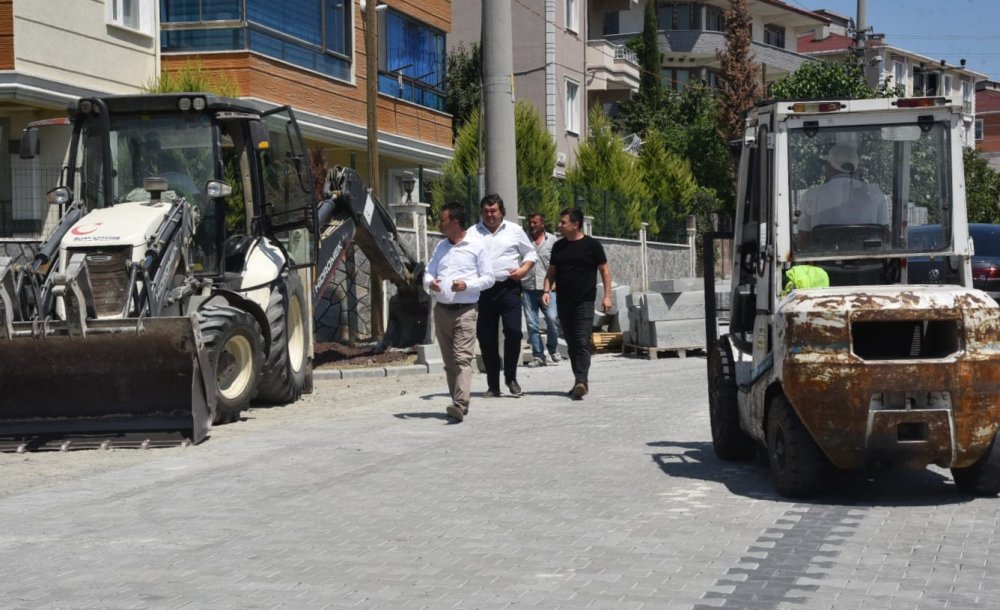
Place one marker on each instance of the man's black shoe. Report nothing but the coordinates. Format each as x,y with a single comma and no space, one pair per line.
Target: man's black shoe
515,388
491,393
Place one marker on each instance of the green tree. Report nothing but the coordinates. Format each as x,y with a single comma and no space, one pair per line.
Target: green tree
815,80
610,181
535,157
463,87
644,109
536,160
982,188
696,118
739,86
669,181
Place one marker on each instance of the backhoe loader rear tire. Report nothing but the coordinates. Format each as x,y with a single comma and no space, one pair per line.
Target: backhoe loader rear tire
284,374
235,351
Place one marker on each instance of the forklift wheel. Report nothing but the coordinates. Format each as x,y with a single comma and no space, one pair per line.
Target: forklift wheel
728,440
983,477
798,466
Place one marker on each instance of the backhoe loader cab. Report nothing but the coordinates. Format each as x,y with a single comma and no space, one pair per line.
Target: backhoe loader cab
168,295
832,357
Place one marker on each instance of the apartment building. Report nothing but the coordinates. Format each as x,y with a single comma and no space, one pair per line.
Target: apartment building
691,34
913,73
550,51
570,55
987,124
51,53
311,55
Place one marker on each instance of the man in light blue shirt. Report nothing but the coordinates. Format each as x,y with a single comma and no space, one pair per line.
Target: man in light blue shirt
532,286
459,270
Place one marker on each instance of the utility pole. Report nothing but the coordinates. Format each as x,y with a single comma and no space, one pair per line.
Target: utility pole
371,89
860,44
376,292
498,102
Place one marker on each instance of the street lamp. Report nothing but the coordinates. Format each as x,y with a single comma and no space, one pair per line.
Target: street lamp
370,11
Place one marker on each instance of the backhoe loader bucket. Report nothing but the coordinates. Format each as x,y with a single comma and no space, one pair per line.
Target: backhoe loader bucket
120,380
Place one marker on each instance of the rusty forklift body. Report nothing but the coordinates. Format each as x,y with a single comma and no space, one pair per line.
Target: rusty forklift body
868,369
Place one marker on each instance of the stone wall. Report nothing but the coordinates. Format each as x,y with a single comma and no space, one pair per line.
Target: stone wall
665,260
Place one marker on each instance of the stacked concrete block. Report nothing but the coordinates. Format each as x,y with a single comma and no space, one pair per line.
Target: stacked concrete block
615,321
672,317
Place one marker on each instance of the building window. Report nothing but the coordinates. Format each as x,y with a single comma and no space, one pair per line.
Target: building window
899,73
572,16
572,107
411,61
925,83
312,34
611,23
774,35
677,78
712,79
677,16
132,15
948,80
715,20
979,129
180,11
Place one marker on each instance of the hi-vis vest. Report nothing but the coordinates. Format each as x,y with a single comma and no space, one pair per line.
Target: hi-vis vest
806,276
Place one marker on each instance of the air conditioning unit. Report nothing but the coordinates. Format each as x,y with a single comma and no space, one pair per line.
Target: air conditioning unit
561,159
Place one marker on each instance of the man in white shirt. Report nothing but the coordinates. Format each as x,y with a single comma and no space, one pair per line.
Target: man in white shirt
458,272
512,255
843,199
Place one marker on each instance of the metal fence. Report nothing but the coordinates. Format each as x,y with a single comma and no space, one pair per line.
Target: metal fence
613,215
26,214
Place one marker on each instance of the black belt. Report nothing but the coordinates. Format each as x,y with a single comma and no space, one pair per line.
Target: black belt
454,306
507,283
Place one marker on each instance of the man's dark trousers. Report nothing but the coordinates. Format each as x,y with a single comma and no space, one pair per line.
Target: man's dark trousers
502,302
577,323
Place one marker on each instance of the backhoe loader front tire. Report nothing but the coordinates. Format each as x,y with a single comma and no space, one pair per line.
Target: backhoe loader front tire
284,373
235,350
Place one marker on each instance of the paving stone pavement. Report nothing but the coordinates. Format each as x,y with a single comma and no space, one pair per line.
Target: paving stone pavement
539,502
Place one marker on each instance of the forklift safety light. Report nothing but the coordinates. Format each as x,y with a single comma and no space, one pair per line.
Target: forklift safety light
817,107
184,104
920,102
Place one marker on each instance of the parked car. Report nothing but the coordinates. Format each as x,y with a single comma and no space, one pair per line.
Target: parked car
940,270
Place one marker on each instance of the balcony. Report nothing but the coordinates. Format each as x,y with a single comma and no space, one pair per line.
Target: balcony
612,66
699,48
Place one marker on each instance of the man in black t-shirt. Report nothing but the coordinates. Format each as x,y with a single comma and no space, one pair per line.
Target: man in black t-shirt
573,268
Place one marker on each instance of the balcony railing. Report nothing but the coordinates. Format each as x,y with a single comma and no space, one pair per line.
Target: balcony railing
624,53
614,65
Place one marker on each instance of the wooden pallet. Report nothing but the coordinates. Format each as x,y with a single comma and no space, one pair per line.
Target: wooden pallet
653,353
605,343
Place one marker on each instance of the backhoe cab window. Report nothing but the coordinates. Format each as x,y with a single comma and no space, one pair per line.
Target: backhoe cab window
855,190
175,147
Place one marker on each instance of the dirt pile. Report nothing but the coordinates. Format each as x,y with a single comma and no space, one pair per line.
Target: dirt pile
340,356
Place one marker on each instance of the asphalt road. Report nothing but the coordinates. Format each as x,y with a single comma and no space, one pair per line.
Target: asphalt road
364,495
